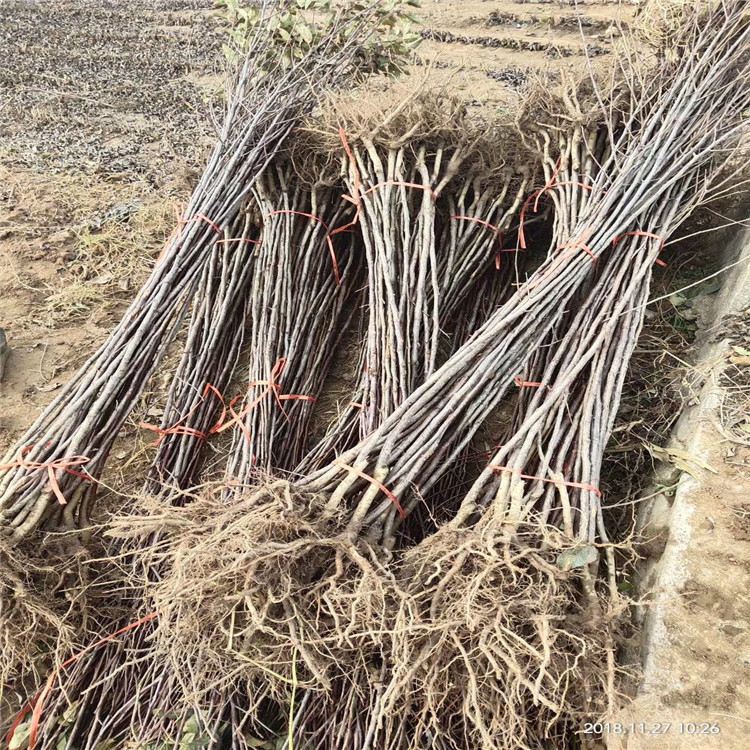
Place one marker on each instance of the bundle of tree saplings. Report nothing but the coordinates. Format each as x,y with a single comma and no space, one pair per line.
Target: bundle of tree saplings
352,709
512,578
305,275
631,191
552,676
502,657
483,218
534,522
476,255
195,408
430,210
298,582
396,167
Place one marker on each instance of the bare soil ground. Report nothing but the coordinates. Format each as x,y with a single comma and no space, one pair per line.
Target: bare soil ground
105,119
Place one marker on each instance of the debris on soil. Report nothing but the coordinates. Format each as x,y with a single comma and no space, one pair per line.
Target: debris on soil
491,42
122,91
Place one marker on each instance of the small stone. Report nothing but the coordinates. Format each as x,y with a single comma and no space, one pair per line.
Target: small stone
4,352
63,236
734,628
579,557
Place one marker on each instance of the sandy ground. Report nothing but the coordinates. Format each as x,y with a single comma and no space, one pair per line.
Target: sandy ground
105,118
104,121
696,691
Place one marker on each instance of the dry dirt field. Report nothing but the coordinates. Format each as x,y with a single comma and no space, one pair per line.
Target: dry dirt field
107,109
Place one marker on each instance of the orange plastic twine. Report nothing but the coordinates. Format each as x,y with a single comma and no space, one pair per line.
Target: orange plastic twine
271,387
58,464
537,194
202,217
638,233
180,429
356,200
177,429
177,231
374,481
579,485
495,229
37,703
329,233
300,213
581,243
237,418
526,383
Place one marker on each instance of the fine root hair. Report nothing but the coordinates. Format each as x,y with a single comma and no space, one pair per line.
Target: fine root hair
41,606
255,592
480,641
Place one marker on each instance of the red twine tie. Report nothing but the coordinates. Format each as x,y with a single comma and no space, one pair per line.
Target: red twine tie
526,383
582,244
638,233
495,229
357,201
37,703
272,387
201,217
578,485
177,231
329,233
300,213
180,429
58,464
537,194
374,481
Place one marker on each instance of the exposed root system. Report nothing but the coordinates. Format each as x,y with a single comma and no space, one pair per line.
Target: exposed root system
482,641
